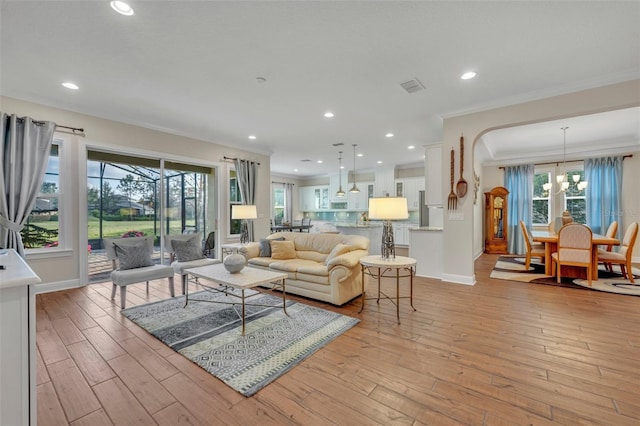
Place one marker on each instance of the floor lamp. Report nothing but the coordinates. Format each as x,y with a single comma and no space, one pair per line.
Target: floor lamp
388,209
244,212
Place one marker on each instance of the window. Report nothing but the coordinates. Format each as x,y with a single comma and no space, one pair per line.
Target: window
43,229
574,198
541,198
278,203
234,198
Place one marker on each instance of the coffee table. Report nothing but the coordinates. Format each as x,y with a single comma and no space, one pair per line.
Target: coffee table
248,278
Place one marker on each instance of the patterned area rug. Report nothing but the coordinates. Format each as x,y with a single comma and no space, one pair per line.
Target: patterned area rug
209,334
512,269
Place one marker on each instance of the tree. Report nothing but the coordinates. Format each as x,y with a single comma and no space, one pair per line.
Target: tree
108,197
130,186
49,188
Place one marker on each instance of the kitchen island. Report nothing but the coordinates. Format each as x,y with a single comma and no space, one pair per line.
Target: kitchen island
425,245
371,230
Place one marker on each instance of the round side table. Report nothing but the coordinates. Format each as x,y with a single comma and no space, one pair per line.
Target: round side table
398,267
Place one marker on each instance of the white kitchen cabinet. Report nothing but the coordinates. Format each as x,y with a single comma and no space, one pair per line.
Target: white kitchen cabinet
384,183
433,174
360,200
314,198
410,188
307,198
334,185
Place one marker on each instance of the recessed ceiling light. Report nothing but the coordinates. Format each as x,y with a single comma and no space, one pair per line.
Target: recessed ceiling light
252,137
122,8
411,147
342,167
319,161
379,161
295,170
389,135
328,114
468,75
360,155
70,85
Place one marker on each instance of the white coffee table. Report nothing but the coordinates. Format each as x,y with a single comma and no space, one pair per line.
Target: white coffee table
248,278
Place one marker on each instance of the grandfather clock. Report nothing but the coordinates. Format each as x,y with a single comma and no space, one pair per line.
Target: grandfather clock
495,220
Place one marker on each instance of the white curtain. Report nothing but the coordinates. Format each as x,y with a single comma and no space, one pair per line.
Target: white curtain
247,172
288,202
23,161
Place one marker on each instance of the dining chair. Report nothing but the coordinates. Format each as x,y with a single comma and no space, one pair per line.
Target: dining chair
306,221
533,249
574,248
624,255
611,233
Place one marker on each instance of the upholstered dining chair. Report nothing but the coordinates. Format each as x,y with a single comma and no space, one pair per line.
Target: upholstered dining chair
574,248
623,256
533,249
611,233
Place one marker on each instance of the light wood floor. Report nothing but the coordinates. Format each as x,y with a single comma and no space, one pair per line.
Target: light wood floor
497,353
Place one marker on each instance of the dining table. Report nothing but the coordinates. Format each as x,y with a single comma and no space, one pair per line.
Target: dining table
550,240
299,228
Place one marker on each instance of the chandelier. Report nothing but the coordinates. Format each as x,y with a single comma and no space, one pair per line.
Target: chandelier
340,192
562,180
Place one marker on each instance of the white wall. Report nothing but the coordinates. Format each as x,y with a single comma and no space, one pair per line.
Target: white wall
125,138
459,235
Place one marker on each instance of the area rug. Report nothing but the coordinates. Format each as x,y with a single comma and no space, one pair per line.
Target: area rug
512,269
209,334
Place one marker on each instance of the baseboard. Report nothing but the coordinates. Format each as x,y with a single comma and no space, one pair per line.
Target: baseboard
56,286
459,279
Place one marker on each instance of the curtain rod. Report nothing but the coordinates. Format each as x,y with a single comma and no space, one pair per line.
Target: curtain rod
225,158
557,163
281,183
58,126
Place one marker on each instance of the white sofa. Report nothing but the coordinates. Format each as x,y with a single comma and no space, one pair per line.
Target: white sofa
312,273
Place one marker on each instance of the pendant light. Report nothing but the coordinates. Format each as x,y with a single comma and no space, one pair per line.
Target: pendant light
354,188
340,192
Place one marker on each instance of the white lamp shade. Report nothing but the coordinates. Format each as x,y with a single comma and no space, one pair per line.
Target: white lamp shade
388,208
239,211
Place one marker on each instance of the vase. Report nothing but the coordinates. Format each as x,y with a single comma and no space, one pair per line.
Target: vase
234,263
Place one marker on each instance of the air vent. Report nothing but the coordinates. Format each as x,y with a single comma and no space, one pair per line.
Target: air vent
412,86
306,161
337,144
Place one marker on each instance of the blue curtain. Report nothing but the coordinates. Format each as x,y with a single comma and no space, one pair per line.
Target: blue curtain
604,177
519,182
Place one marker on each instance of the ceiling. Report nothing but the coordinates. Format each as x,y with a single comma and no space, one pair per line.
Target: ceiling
192,68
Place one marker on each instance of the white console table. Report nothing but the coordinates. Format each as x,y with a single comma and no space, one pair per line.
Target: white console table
17,341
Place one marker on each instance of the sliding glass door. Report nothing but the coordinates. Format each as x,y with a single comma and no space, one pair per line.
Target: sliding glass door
131,196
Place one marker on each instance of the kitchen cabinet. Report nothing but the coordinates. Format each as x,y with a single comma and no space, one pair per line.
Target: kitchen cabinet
410,189
334,185
360,200
433,175
401,233
384,183
313,198
321,195
307,198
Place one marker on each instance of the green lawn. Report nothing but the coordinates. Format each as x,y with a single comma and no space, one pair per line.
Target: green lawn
117,228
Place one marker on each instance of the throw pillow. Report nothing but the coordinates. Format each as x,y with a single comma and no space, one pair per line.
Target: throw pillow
283,250
265,246
133,255
337,251
187,250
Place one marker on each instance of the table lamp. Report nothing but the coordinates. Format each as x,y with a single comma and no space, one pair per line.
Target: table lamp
244,212
388,209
